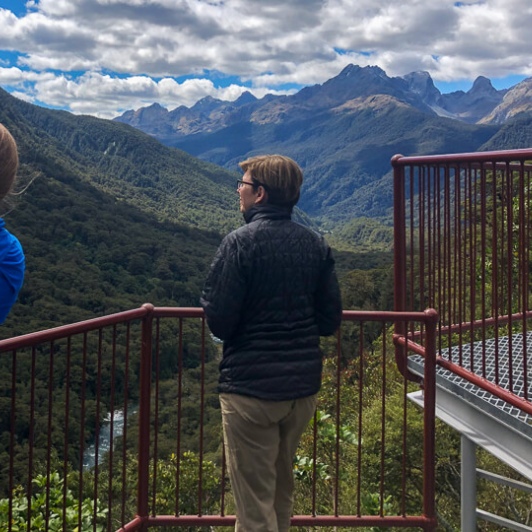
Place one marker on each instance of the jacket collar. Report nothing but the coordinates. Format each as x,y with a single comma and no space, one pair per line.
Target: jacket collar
267,211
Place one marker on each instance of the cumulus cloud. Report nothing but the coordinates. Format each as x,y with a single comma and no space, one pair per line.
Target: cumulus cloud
104,56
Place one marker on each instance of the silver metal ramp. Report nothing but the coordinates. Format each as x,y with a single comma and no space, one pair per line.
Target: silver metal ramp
502,429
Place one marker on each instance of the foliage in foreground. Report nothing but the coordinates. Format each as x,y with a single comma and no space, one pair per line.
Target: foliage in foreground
51,507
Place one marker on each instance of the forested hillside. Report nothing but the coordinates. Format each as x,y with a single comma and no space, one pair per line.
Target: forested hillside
102,217
110,218
89,254
124,162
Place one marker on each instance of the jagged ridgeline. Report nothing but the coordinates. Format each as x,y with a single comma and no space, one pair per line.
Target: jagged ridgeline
111,219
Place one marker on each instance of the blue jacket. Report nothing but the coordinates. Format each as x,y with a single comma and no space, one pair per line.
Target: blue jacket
270,294
12,266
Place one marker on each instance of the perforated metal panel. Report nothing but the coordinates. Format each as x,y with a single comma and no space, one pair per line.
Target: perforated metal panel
500,361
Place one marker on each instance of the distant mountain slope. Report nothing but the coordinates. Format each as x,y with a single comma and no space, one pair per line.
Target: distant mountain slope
345,151
110,218
89,254
343,132
416,89
516,132
517,100
121,160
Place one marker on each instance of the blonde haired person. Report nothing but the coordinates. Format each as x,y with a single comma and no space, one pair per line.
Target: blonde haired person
270,294
12,262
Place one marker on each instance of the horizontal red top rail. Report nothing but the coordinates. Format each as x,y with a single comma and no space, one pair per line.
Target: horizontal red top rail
426,316
486,156
178,312
64,331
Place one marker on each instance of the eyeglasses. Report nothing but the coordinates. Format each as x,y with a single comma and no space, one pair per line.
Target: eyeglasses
240,184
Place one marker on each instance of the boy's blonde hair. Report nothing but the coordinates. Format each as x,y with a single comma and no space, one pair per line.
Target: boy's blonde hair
281,176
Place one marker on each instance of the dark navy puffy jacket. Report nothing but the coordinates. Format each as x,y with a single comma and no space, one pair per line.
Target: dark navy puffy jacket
270,294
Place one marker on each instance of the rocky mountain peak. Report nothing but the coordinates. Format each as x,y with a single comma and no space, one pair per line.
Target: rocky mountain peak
421,84
349,70
244,98
354,82
145,115
482,87
206,104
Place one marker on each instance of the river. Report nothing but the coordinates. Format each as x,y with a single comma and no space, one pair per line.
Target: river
104,439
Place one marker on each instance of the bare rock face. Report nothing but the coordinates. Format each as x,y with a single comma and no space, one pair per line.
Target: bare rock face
421,84
516,100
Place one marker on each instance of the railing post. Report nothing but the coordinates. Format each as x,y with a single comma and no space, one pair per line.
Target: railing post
399,256
429,420
399,251
399,238
468,485
144,417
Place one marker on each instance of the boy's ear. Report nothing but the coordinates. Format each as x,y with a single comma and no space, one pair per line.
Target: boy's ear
262,195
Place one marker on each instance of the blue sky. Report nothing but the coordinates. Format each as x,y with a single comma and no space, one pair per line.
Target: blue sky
103,57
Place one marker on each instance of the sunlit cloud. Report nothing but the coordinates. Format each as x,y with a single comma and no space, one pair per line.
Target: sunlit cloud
105,56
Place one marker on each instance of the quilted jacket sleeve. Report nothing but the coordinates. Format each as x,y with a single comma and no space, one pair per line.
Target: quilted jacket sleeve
224,290
328,299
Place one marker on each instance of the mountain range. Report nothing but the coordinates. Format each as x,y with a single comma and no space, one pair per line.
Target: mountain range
112,217
345,131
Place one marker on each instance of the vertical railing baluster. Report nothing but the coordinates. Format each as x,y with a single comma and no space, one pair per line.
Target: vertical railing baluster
383,419
404,444
361,378
525,254
338,420
144,417
111,432
67,425
83,377
179,404
49,435
99,356
439,303
202,417
509,269
156,354
31,434
12,437
125,429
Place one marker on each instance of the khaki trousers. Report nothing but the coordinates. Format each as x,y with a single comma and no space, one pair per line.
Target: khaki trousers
261,439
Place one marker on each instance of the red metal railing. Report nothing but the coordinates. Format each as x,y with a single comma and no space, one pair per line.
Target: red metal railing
463,246
366,460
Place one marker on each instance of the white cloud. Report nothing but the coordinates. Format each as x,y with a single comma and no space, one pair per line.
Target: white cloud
106,96
132,51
